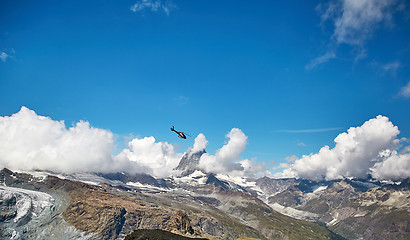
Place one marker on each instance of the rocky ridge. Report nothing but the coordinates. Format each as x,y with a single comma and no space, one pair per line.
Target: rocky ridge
352,208
197,204
105,211
190,162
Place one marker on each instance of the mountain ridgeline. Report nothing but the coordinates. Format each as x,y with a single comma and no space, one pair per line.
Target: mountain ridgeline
198,205
190,162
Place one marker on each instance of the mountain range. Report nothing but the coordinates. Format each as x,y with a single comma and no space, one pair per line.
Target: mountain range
199,204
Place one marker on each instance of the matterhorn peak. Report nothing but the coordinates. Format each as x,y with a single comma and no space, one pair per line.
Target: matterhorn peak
190,161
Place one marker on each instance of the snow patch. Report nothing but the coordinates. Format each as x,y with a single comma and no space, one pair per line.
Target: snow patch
195,178
333,222
146,186
28,203
360,214
291,212
241,181
319,188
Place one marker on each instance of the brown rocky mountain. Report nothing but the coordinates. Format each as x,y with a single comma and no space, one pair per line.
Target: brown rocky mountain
199,205
104,211
355,209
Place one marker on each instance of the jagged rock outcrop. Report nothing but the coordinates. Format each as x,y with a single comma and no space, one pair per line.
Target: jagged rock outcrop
107,215
157,234
272,186
181,224
189,162
216,182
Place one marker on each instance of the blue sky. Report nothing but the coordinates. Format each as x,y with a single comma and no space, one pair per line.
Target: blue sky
284,72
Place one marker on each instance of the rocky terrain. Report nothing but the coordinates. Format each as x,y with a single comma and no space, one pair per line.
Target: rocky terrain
156,234
105,211
353,208
189,162
45,205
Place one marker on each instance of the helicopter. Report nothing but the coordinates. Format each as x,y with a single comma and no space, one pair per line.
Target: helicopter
180,134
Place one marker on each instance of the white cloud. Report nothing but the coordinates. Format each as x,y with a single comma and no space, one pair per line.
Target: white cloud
252,169
226,159
223,160
4,56
29,141
405,91
291,158
405,150
153,5
158,158
393,166
301,144
319,60
353,22
356,20
355,154
391,67
181,100
283,165
360,54
200,143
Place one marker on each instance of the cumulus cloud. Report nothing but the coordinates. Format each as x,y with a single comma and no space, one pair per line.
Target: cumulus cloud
29,141
200,143
153,5
353,22
405,91
356,153
393,166
225,158
158,158
252,169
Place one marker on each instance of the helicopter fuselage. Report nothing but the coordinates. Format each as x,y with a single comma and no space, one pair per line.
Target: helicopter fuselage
180,134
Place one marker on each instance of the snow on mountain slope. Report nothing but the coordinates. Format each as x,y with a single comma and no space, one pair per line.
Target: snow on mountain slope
295,213
241,181
319,188
146,187
29,204
195,178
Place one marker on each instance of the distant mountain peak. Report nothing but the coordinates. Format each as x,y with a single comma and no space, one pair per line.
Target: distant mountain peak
190,162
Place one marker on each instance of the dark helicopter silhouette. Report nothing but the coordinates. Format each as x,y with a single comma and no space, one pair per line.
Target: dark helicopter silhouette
180,134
